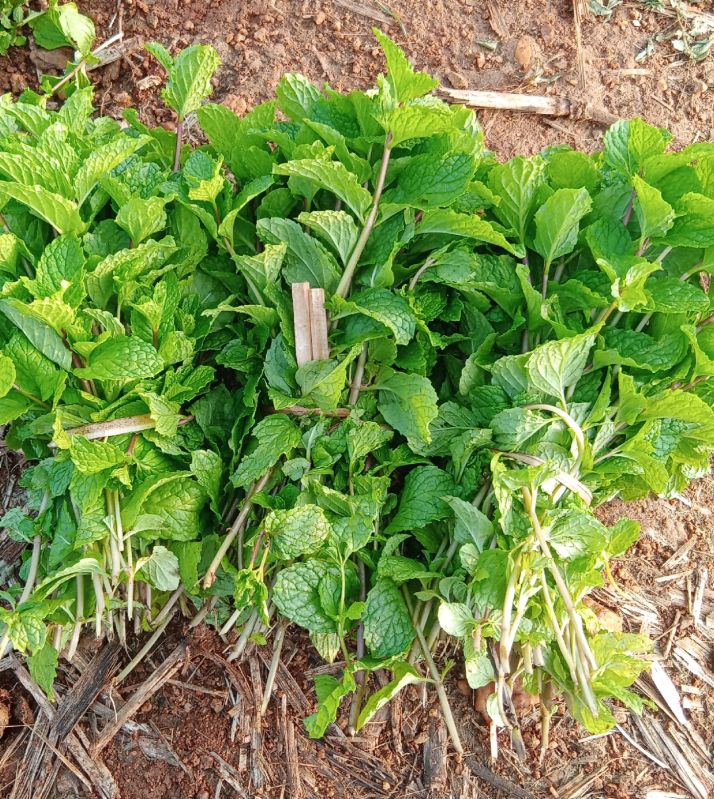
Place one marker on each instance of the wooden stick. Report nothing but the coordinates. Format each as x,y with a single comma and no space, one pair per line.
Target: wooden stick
301,321
365,11
94,768
528,103
318,325
144,692
83,693
578,19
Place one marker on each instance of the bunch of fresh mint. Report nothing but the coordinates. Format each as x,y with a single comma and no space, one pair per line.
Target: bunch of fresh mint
510,345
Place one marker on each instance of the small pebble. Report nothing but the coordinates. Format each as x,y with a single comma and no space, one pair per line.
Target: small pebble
525,50
480,61
189,25
319,18
457,80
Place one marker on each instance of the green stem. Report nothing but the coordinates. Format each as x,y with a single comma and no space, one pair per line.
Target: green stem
605,315
236,528
345,283
179,143
31,397
544,286
441,693
68,77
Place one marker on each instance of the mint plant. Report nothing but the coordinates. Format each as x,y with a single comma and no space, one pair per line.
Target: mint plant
510,345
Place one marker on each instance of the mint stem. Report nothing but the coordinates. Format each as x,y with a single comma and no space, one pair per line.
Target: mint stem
343,289
179,143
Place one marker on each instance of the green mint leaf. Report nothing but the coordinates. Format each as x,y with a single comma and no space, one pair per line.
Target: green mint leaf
207,468
693,224
63,25
640,350
450,223
428,182
275,435
142,218
91,457
516,183
306,260
621,536
401,569
670,295
189,81
569,169
514,427
296,594
557,365
172,510
61,263
388,628
629,143
189,558
422,499
296,96
655,216
40,334
472,526
403,674
455,619
7,374
336,228
478,666
300,531
322,382
364,439
163,412
629,275
160,569
330,693
332,176
43,668
122,358
56,210
385,307
557,222
101,162
406,84
408,403
416,121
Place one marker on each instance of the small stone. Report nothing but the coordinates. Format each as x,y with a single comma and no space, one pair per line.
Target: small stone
356,69
457,80
17,83
203,795
261,35
236,103
319,18
230,36
525,50
480,61
548,34
217,705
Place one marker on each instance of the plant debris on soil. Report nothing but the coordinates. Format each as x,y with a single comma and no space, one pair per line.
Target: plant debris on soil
201,734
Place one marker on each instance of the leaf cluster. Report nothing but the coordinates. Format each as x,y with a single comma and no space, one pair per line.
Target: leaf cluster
511,343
